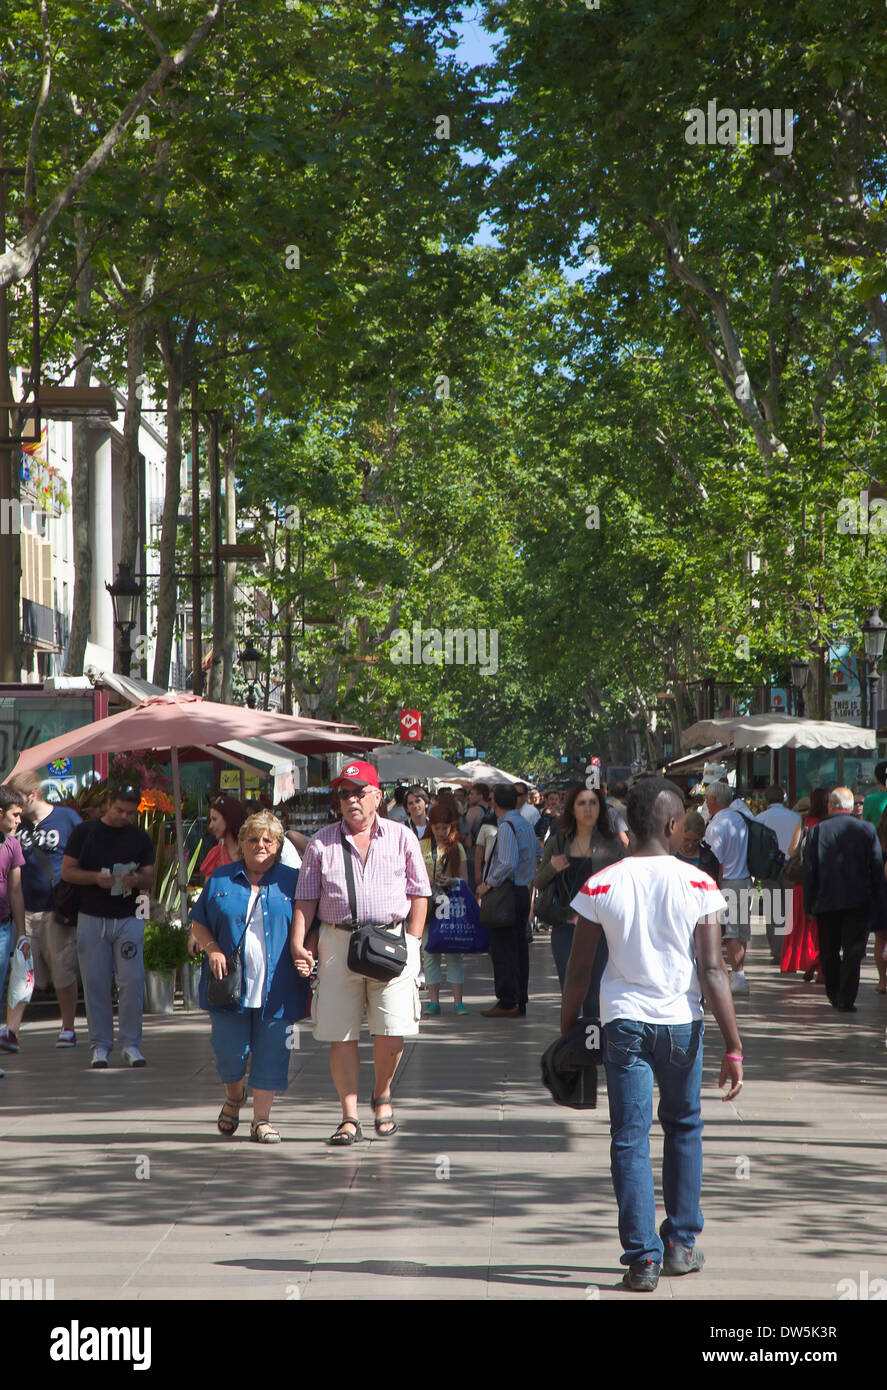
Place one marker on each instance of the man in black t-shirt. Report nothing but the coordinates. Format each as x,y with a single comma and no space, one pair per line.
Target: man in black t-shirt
112,862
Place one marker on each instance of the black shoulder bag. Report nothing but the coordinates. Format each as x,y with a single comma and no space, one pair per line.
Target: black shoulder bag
499,906
225,993
373,952
553,904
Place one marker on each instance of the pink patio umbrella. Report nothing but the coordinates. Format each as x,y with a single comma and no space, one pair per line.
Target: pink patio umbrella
178,721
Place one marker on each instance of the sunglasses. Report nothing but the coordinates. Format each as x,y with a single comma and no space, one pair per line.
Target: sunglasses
261,840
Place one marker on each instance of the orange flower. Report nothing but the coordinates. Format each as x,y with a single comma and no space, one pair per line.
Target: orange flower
156,800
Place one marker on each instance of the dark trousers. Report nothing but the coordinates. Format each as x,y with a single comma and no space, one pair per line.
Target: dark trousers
561,946
843,937
510,954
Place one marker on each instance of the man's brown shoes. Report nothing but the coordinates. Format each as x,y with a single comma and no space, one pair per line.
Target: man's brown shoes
497,1011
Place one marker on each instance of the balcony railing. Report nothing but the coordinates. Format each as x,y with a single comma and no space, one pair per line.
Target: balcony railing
40,625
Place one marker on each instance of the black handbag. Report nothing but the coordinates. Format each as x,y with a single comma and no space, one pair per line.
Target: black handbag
498,907
66,903
373,951
553,904
225,993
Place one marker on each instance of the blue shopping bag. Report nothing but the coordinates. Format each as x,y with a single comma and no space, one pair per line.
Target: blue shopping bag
455,929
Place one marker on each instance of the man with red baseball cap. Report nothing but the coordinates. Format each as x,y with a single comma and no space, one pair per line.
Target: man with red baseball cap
391,887
357,774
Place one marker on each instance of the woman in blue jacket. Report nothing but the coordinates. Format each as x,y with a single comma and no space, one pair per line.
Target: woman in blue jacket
249,905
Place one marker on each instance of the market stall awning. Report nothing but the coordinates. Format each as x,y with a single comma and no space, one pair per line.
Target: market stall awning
288,769
777,731
715,753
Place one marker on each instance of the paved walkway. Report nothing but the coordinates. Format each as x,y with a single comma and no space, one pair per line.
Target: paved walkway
118,1186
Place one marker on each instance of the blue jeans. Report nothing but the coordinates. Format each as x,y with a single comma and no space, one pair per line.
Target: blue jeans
7,945
635,1053
561,946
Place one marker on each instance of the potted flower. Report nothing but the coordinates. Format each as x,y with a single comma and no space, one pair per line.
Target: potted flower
166,951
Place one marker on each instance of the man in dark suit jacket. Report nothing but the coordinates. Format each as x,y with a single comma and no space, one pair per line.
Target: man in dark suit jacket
843,874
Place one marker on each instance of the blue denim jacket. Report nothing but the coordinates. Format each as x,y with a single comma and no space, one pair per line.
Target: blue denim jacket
223,906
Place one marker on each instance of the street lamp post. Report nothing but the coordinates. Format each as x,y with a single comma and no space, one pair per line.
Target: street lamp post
874,631
250,660
800,669
125,594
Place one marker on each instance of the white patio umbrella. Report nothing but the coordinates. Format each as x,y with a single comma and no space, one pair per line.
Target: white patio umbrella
476,771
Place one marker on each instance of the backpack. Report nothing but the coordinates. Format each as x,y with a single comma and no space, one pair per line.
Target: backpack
765,858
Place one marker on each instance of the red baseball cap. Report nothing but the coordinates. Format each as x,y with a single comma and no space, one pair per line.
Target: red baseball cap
364,774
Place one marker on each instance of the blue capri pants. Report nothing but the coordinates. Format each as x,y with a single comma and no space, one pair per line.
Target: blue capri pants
238,1038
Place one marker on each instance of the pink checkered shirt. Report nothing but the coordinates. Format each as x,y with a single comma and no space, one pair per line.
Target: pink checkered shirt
393,874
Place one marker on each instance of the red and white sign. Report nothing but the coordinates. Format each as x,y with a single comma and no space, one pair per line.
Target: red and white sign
411,725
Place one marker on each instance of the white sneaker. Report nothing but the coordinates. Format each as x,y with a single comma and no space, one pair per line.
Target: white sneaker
99,1057
67,1038
738,983
133,1058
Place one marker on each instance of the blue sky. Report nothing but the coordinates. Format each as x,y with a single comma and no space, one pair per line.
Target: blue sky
476,45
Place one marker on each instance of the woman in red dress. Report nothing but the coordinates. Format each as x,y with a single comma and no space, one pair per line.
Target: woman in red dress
879,918
226,816
801,949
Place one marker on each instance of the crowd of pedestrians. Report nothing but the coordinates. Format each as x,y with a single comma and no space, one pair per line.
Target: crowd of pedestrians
643,894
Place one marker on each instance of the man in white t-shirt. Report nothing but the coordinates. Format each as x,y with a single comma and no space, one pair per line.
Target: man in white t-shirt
777,900
661,920
727,838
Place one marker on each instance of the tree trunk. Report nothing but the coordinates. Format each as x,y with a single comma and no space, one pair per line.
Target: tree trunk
129,526
230,572
175,360
218,590
80,602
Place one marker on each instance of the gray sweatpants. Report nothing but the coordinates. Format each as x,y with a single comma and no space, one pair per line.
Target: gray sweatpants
105,944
